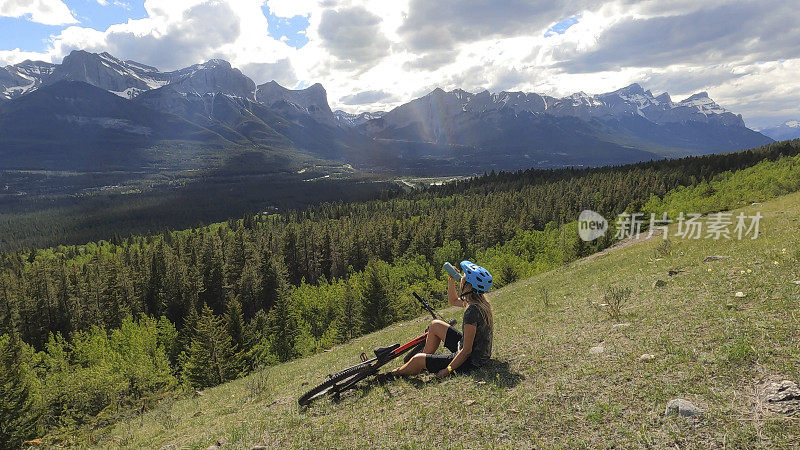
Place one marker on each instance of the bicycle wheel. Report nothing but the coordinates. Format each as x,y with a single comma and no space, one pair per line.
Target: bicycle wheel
335,382
413,352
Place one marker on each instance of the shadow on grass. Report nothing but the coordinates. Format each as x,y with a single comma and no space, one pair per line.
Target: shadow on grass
495,373
498,374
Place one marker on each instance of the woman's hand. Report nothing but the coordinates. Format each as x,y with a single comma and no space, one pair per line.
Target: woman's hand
442,373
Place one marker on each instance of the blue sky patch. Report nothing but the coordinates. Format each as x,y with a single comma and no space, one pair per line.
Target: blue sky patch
30,36
561,27
293,28
25,35
92,14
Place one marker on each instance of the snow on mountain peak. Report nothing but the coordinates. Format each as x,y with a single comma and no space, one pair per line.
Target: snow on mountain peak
792,124
703,103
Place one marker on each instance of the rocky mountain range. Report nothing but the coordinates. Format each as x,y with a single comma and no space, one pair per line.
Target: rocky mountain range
97,111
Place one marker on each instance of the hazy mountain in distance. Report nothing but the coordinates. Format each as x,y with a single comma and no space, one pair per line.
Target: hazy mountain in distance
630,117
787,130
352,120
311,101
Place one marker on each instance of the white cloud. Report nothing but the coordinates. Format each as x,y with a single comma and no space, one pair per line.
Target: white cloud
353,36
292,8
47,12
17,56
177,33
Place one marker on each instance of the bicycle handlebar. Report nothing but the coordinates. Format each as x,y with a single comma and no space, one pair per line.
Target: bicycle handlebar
425,305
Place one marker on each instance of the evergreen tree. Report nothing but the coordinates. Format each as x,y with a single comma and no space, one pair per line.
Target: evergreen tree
18,415
210,359
349,322
291,255
273,282
283,328
378,304
249,291
152,300
213,275
235,325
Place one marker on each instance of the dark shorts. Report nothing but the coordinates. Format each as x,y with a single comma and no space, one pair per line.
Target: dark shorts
437,362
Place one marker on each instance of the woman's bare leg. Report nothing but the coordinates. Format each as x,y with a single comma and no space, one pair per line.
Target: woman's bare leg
437,332
413,367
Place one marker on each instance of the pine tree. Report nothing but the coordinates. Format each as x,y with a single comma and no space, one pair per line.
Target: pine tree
237,259
8,306
349,322
211,357
157,272
18,416
378,308
291,255
213,275
234,321
283,328
273,282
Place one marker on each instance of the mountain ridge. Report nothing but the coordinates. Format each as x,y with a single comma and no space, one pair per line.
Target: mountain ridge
627,117
454,131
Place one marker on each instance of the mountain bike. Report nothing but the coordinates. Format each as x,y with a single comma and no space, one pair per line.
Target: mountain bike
347,379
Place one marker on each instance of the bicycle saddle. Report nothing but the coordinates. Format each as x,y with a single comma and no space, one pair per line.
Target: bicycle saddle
383,351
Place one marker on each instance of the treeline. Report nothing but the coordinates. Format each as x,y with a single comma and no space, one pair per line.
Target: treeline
96,330
731,190
162,202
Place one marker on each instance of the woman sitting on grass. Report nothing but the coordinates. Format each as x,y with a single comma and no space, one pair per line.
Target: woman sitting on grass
470,349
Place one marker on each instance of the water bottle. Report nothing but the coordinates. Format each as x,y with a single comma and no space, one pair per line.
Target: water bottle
451,271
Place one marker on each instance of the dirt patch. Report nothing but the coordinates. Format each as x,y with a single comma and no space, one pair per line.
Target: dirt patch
625,243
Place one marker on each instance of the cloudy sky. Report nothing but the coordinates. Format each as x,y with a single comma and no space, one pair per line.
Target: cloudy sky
376,54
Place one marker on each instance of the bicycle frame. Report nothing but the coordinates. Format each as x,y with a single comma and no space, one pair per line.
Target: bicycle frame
369,367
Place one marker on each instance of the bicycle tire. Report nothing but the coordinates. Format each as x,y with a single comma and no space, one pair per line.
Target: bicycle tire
341,377
352,381
414,350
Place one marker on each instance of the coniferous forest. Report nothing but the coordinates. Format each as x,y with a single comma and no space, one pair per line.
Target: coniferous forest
92,333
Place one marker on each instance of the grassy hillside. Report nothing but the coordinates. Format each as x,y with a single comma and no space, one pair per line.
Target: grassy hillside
547,388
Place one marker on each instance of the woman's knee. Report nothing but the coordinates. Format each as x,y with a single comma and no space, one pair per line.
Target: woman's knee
418,360
439,328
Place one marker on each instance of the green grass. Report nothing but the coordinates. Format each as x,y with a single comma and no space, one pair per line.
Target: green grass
545,389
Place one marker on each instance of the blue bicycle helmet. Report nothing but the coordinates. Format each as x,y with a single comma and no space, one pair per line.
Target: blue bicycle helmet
477,276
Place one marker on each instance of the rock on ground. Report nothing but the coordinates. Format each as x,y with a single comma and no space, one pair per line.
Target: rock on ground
781,396
715,258
683,408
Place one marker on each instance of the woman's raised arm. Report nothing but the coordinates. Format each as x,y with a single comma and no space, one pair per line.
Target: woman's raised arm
452,295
